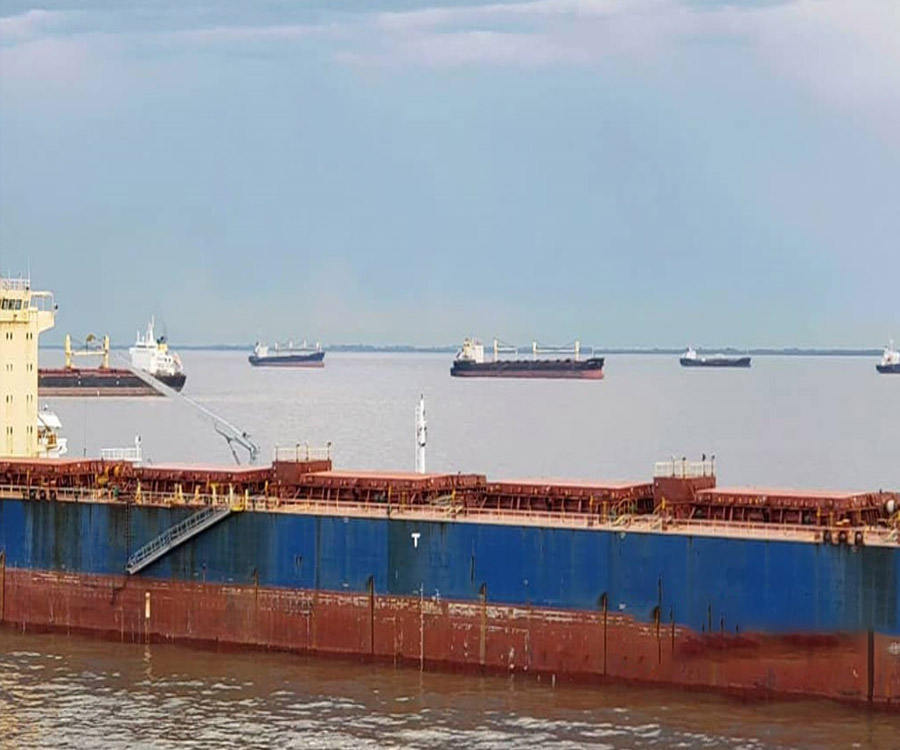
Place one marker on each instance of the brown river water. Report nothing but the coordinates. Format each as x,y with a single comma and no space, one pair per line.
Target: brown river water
802,422
74,692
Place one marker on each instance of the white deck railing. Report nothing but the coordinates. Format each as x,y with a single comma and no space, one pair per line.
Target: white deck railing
303,452
121,454
684,469
19,284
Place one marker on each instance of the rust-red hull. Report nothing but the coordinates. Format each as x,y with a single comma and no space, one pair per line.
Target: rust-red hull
537,375
479,636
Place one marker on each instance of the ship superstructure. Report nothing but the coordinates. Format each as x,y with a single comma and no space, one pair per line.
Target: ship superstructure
24,315
153,356
890,361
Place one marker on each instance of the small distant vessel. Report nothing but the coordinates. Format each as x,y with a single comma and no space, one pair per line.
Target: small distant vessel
691,359
890,361
289,356
152,355
470,363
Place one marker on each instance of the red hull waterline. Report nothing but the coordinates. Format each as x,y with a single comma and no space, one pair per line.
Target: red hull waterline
293,365
116,392
442,634
534,374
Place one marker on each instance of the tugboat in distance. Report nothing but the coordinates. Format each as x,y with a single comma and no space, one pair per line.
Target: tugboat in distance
151,355
691,359
890,361
303,356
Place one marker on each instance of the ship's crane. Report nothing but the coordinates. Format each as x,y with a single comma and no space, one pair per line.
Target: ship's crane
573,348
233,435
501,347
91,348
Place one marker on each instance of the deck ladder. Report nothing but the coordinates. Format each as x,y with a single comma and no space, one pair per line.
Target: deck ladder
174,536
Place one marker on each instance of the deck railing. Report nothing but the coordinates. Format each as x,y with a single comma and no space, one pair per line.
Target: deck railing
18,284
133,455
459,511
303,452
681,468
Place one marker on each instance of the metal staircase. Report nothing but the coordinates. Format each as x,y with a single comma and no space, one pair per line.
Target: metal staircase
174,536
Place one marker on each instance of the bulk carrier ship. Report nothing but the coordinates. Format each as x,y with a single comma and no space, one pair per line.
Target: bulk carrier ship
691,359
470,363
290,356
151,362
91,381
667,581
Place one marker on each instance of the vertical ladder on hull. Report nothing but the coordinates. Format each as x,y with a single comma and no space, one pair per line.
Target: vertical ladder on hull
175,536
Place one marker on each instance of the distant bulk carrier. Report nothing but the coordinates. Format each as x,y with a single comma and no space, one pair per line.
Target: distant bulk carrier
691,359
470,363
289,356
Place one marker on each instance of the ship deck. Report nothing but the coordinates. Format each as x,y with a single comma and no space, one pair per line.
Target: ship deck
314,487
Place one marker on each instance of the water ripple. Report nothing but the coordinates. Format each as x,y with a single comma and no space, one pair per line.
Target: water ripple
74,693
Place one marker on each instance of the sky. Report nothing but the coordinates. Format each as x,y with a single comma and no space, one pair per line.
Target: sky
626,172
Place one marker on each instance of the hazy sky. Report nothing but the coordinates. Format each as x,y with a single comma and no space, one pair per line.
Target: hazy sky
646,172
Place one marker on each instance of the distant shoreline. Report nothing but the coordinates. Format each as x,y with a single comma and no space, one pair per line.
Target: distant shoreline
600,351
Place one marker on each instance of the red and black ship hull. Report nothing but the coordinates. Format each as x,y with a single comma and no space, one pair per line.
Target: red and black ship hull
587,369
100,381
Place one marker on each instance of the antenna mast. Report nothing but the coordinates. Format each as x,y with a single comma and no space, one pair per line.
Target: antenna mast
421,435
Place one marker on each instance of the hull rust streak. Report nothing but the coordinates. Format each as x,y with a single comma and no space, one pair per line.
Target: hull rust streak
582,646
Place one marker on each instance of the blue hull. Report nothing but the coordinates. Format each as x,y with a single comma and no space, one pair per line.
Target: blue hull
737,584
715,362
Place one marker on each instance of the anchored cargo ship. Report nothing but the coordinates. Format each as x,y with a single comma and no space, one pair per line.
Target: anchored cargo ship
470,363
890,361
289,356
670,581
691,359
673,580
91,381
151,355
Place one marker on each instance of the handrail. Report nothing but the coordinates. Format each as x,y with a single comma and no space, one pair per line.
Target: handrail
121,454
19,284
684,469
302,452
455,510
174,537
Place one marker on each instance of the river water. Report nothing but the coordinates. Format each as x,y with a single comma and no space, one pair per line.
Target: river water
821,423
71,692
